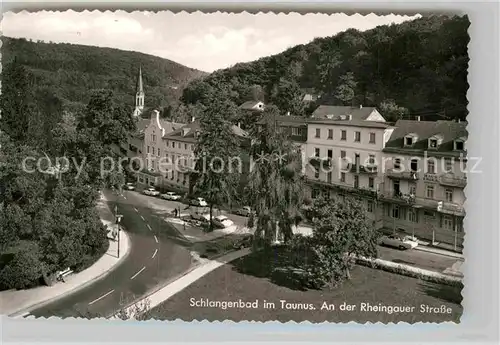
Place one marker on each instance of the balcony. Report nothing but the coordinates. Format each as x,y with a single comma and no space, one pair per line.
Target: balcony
452,180
325,163
343,187
428,177
398,197
363,169
402,175
450,208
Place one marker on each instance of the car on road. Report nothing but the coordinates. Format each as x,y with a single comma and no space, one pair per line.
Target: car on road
245,242
245,211
222,221
151,191
198,202
400,242
129,186
170,196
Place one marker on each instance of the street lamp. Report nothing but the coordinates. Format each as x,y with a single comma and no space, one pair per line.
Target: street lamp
118,218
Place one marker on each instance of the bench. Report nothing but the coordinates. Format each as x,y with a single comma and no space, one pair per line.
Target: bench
62,274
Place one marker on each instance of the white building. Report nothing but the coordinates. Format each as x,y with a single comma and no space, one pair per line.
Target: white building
425,180
344,151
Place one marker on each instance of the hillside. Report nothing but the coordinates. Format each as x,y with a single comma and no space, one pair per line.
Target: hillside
73,70
418,67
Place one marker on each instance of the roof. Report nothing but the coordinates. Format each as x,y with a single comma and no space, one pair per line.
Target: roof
447,130
287,120
187,132
358,113
353,123
250,105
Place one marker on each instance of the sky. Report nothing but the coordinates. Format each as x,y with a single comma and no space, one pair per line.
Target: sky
203,41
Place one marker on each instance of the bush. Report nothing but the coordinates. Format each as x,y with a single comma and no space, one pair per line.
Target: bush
24,270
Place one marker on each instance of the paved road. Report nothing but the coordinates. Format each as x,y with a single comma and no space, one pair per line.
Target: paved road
425,260
156,256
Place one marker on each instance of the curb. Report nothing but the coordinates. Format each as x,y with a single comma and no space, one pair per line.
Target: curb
20,313
440,252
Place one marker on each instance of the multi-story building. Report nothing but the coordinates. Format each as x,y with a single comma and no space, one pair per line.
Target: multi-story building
425,179
154,156
344,150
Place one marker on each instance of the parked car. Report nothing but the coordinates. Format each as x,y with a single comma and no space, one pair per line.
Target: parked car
170,196
245,211
222,221
245,242
200,216
129,186
151,191
198,202
405,242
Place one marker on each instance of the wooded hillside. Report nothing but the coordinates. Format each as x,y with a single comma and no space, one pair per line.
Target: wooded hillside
72,71
415,68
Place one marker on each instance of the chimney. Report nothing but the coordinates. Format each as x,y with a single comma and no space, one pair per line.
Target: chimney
239,124
458,120
361,106
287,113
192,118
417,118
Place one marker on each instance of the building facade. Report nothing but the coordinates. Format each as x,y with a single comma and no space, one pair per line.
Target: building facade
425,179
344,155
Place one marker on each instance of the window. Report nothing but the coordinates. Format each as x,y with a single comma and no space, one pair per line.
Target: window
433,143
449,195
412,215
316,152
295,131
447,223
342,154
148,149
397,163
173,144
158,152
371,159
431,168
408,141
330,134
395,211
185,146
412,187
396,189
372,138
343,135
370,206
166,143
429,192
428,214
192,147
316,173
318,132
329,177
314,193
357,136
414,165
342,177
371,182
448,165
330,153
459,145
356,181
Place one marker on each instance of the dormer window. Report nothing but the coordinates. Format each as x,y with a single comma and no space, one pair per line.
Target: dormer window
410,139
197,134
460,144
185,131
435,141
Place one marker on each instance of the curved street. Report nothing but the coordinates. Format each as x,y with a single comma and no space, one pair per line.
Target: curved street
157,255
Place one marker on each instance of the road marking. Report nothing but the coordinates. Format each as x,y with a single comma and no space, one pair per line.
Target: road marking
143,218
154,254
149,227
156,239
100,298
135,275
124,197
136,210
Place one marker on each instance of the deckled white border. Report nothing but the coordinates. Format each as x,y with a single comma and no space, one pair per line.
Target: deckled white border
481,303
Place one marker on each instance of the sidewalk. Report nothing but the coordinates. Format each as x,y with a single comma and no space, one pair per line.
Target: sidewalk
20,302
183,282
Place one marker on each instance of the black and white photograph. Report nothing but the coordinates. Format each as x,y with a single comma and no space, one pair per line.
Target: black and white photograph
234,166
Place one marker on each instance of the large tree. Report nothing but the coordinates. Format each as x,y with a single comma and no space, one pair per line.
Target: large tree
341,232
275,186
217,155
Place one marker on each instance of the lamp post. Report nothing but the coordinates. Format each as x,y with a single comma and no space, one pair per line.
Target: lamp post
118,218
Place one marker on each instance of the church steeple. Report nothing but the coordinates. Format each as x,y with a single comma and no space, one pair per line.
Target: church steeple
139,94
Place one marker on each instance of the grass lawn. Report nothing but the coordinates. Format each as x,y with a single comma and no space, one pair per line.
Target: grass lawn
246,279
